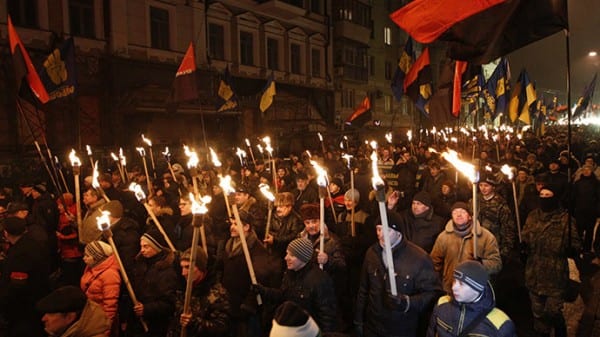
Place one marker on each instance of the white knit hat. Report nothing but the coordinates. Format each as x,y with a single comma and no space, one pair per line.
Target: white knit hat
290,320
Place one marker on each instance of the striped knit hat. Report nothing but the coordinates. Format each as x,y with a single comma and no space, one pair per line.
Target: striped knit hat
301,248
473,274
98,251
156,240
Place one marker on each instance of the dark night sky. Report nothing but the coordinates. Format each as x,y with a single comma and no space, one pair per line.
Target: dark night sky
545,60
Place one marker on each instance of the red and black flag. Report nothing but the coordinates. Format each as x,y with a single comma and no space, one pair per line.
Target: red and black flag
185,87
417,84
360,110
404,64
23,65
584,101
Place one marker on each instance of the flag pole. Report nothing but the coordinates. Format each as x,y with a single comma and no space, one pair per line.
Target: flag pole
569,115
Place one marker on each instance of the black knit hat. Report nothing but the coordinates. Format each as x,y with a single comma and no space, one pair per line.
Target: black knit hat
394,220
301,248
290,320
423,197
155,239
473,274
64,299
460,204
337,181
14,225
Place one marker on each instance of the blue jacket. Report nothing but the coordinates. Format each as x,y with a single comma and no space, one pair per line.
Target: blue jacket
449,318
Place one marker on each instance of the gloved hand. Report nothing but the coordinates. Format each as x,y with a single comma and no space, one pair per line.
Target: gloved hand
258,289
358,329
399,302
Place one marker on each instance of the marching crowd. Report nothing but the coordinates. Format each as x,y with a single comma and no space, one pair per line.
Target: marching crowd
454,274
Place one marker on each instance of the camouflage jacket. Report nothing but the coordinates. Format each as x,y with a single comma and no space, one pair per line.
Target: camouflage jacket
495,216
209,306
546,236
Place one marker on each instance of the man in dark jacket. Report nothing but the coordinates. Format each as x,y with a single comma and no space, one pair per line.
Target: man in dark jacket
471,310
378,312
420,225
24,280
286,224
306,285
155,282
209,304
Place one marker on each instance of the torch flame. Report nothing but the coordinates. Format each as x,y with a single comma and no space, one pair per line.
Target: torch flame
199,207
122,157
95,175
488,168
320,136
388,137
260,148
89,150
74,159
376,179
225,183
240,153
409,135
321,174
193,157
264,189
507,171
373,144
138,191
141,151
114,156
103,221
247,142
146,140
214,158
268,148
348,157
467,169
166,153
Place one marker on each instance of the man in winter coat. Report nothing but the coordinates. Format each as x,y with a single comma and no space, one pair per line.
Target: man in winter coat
286,224
68,313
154,283
420,225
378,312
455,245
471,308
209,304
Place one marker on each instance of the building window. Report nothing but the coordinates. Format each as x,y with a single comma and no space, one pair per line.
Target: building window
353,11
81,18
315,63
159,28
387,36
388,70
216,41
272,54
387,104
297,3
348,99
295,63
246,48
23,13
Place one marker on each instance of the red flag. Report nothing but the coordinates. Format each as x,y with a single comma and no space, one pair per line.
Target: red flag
185,85
414,71
426,20
364,106
459,69
23,65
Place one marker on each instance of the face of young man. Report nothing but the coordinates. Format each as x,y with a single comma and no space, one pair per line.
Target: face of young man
283,210
418,207
146,250
185,270
463,293
393,235
486,189
292,262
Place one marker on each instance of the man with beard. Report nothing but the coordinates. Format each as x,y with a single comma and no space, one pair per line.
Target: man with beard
286,224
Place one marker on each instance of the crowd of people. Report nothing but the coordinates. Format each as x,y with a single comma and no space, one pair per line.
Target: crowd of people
453,274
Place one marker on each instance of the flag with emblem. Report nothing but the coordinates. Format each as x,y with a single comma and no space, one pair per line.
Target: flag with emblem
58,72
522,97
185,86
269,92
495,89
417,84
404,63
226,98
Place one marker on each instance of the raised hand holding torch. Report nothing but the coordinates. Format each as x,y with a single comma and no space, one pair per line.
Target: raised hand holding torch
76,163
264,189
507,170
104,225
379,187
141,197
198,211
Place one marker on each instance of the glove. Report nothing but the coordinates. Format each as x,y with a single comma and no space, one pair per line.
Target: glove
399,302
258,289
523,252
358,329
